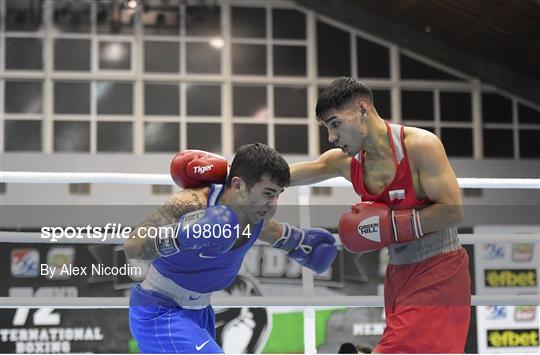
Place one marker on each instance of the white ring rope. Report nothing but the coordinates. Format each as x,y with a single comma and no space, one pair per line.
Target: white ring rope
96,178
165,179
35,237
255,301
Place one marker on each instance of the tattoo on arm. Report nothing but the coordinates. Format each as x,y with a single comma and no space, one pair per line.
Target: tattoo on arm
167,214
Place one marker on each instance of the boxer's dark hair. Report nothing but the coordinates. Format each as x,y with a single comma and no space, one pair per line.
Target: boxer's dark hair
252,161
339,93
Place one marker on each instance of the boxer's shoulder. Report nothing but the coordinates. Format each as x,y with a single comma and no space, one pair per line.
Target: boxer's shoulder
415,137
422,146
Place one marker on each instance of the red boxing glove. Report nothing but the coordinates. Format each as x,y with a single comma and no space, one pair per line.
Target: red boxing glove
196,168
372,226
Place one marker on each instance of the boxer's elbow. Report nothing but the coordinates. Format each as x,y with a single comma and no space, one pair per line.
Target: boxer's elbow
457,216
131,249
443,215
132,246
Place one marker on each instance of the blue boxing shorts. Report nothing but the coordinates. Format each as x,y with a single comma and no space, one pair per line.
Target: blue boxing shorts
160,325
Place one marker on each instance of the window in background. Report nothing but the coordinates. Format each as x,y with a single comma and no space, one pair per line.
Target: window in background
114,18
290,60
288,24
529,146
72,16
114,137
528,114
24,54
249,133
203,21
455,106
71,97
248,22
160,18
72,54
498,143
417,105
22,135
457,142
413,69
161,57
161,99
203,100
291,139
372,59
333,51
250,101
71,136
161,137
115,97
115,43
382,102
249,59
496,108
23,96
205,136
114,55
24,15
203,58
290,101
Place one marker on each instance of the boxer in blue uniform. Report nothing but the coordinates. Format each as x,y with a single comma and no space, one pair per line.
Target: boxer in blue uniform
206,233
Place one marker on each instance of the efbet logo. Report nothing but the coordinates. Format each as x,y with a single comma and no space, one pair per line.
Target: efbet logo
202,169
369,229
500,338
510,278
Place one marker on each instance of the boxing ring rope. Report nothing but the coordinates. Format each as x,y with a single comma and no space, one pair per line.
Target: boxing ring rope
253,301
308,300
165,179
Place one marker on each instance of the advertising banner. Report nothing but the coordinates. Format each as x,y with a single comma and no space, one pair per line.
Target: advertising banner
507,269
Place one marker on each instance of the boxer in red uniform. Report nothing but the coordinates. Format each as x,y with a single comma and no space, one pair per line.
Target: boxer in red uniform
410,203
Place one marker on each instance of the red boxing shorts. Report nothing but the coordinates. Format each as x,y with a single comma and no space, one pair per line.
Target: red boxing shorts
427,305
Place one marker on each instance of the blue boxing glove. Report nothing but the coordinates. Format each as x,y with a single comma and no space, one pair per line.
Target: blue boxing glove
212,231
313,248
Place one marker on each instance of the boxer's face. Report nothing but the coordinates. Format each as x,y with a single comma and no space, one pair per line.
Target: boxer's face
346,126
261,200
